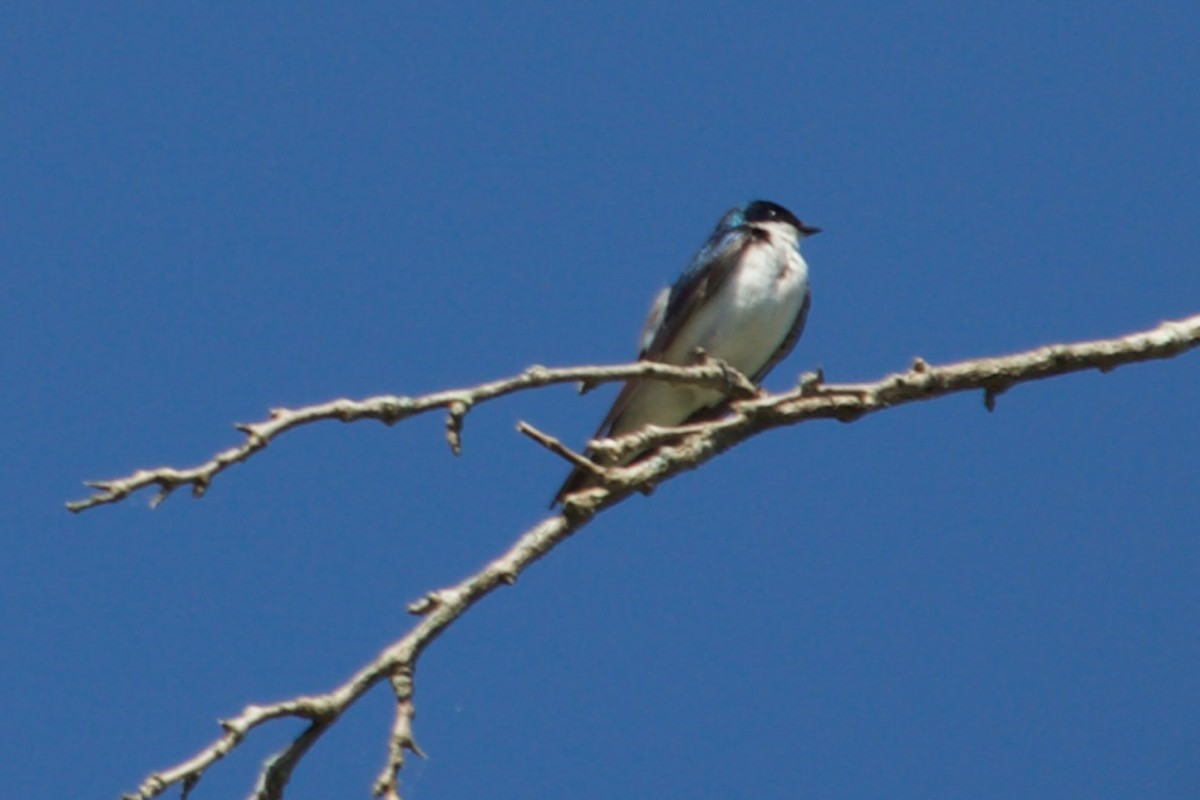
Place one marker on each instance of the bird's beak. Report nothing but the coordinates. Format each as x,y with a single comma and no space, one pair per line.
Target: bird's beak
809,230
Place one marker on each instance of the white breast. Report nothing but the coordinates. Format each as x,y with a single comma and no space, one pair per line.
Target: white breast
743,324
754,311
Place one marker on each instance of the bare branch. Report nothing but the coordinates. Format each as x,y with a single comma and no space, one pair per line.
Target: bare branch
390,409
397,661
559,449
387,784
687,447
679,449
993,376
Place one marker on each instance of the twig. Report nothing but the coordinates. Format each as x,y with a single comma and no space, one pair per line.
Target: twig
559,449
390,409
440,609
387,784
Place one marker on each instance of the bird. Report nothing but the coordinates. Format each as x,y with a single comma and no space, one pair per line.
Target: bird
743,298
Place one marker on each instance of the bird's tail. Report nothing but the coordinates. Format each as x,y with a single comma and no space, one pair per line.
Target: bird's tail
577,481
581,479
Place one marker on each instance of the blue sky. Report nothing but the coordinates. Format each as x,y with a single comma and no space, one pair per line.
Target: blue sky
209,211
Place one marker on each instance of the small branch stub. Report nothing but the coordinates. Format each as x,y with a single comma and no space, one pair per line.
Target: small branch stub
454,424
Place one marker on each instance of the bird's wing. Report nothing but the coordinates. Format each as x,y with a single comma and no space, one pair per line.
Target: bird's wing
709,269
706,273
788,342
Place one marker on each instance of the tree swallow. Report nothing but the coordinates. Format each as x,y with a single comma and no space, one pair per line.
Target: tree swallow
743,298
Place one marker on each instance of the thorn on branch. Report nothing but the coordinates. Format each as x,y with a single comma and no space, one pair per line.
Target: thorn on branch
454,424
257,440
848,415
430,602
810,382
163,494
990,393
394,409
424,605
537,375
